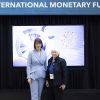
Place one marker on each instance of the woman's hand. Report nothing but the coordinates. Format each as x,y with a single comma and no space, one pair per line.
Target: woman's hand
47,83
63,86
29,81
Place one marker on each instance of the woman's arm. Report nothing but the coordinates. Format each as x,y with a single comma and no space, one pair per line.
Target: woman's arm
29,59
64,71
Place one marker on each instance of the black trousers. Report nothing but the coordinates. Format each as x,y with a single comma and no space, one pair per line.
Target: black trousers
54,92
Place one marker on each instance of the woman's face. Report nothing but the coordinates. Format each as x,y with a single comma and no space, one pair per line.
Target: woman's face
54,53
38,46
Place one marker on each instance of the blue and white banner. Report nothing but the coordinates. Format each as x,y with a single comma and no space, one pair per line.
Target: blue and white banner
49,7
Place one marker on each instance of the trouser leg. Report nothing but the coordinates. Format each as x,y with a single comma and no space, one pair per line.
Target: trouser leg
58,93
51,91
41,84
55,93
34,90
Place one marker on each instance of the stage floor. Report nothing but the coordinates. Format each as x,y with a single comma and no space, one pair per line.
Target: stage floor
70,94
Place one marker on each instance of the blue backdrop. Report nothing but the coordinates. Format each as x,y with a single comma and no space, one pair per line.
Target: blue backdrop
50,7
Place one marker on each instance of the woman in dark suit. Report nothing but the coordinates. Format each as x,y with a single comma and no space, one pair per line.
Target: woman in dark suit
56,77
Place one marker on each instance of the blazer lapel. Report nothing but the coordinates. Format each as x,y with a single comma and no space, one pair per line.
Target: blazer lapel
39,58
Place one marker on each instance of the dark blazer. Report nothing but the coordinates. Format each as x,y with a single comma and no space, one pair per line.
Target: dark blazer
60,71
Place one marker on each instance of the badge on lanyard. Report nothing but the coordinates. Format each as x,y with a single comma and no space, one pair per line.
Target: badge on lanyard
51,76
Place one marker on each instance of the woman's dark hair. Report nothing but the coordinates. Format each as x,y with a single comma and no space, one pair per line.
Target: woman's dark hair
38,40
